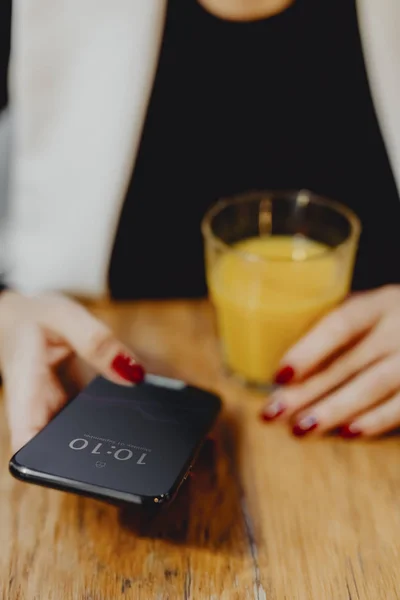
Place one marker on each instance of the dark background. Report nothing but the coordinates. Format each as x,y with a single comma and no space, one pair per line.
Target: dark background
5,35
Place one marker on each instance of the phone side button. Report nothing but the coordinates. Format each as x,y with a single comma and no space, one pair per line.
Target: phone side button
188,472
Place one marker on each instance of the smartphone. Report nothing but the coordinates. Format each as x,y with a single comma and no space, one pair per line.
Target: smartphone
121,444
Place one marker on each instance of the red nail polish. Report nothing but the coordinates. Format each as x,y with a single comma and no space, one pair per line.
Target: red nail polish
284,375
304,426
272,411
127,368
350,432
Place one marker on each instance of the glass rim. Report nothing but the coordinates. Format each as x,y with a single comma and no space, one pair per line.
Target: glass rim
222,203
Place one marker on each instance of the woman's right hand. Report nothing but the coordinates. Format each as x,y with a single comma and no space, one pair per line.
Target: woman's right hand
40,334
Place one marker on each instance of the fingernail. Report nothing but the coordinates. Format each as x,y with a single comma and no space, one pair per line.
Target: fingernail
304,426
350,431
273,410
284,375
127,368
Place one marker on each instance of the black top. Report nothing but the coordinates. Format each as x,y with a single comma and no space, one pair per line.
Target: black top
5,39
278,103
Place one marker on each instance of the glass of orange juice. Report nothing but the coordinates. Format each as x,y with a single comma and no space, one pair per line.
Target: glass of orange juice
276,262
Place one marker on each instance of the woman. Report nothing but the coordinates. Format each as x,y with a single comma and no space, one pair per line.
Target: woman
131,118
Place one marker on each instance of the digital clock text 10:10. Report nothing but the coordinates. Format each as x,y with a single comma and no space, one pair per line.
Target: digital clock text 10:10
119,454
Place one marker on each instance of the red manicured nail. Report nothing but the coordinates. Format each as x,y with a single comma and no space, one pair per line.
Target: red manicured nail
273,411
284,375
127,368
304,426
350,431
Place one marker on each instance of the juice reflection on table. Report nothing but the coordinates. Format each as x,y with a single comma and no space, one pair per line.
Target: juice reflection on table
268,291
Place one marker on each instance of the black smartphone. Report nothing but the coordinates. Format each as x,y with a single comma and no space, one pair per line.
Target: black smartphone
121,444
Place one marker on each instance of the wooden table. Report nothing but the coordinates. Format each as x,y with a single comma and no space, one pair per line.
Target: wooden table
265,516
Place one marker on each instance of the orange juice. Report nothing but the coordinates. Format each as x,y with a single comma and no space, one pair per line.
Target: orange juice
268,291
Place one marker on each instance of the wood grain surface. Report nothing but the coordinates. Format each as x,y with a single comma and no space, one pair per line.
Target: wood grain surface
265,517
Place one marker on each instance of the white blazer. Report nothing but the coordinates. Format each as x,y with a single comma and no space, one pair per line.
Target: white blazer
80,79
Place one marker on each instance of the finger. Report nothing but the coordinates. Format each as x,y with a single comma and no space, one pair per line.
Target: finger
286,401
343,405
91,339
378,420
335,331
32,392
47,397
338,330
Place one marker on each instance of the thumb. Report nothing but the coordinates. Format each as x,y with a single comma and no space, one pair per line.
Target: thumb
33,393
91,339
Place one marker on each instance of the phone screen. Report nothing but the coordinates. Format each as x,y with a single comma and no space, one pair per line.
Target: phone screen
135,441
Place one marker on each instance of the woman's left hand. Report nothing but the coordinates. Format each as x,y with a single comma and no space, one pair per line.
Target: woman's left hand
345,373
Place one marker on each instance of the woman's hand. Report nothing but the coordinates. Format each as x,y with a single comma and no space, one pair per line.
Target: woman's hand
346,371
38,335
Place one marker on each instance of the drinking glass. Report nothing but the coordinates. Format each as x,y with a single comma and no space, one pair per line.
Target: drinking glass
276,262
